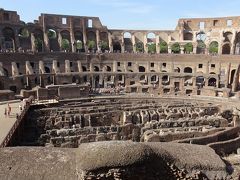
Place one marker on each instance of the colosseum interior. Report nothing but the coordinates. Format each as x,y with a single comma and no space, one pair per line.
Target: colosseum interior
120,104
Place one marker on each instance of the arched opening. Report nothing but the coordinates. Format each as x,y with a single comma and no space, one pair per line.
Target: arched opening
5,72
78,41
188,36
201,46
96,68
120,77
163,47
165,80
151,42
177,70
84,68
212,82
47,69
108,69
200,82
226,49
24,39
154,78
91,43
38,34
142,78
141,69
175,48
66,41
117,47
103,44
8,39
53,40
74,79
213,47
139,46
128,42
187,70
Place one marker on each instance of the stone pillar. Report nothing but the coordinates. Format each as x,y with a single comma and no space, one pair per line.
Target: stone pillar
182,49
84,36
91,69
16,44
125,66
60,40
33,42
236,120
134,43
110,42
207,68
169,49
15,71
79,66
41,67
123,44
194,48
232,43
72,37
67,66
29,69
1,69
157,44
45,36
114,66
98,40
55,67
145,43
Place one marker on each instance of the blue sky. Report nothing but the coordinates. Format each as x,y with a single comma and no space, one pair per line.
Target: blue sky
127,14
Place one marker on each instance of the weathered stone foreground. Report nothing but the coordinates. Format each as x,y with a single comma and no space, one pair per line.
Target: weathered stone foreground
112,160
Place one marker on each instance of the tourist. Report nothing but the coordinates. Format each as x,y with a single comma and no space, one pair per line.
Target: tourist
5,112
9,110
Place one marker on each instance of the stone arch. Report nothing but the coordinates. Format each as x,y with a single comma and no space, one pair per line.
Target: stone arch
8,38
200,81
226,48
201,46
177,69
151,42
78,35
24,39
5,72
128,41
187,70
142,78
153,78
141,69
213,47
212,82
66,40
237,43
91,40
104,44
165,80
38,34
53,40
117,47
188,36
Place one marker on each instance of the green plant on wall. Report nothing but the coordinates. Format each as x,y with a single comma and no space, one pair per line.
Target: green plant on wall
188,48
151,47
79,45
39,44
24,33
65,45
139,47
91,44
163,47
51,34
176,48
103,45
213,47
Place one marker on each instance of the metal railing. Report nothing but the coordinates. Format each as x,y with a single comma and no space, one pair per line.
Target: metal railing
19,118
